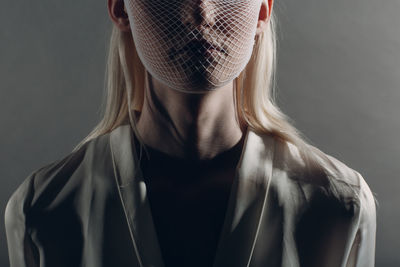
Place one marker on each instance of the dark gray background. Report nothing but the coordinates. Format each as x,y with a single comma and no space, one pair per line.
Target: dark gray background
338,78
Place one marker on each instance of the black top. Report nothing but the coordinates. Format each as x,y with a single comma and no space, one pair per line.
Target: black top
188,201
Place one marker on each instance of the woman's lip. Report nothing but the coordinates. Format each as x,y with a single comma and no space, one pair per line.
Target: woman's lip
195,46
202,45
210,52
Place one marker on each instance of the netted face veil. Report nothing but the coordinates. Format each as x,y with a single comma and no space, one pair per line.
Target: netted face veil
194,45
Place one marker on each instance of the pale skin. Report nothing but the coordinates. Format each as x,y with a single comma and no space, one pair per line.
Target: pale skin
197,126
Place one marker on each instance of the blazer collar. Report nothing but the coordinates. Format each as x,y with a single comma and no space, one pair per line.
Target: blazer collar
245,207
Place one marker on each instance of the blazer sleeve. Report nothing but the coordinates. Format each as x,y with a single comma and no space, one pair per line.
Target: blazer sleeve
21,249
362,253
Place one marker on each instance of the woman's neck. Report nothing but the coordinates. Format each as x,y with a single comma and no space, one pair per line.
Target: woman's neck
186,125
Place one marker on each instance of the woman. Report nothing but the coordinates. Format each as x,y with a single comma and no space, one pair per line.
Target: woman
193,164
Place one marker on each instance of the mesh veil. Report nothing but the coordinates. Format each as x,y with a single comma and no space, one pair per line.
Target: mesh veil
194,45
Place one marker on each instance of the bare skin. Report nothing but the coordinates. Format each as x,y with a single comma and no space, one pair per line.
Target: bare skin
197,126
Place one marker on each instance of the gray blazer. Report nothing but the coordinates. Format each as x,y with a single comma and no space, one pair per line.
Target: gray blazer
90,209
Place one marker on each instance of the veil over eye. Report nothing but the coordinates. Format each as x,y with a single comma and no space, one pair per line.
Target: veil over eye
193,45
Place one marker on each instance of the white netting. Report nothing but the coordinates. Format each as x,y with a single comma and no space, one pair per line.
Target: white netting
193,45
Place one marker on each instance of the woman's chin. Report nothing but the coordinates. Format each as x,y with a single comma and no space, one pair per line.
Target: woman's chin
198,84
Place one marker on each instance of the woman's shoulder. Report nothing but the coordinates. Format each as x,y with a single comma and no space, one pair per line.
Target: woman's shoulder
319,193
316,175
54,182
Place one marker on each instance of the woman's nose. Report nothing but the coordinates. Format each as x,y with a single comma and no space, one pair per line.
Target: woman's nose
200,13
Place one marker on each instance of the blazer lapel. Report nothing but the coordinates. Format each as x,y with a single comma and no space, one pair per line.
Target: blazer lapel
246,202
132,191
